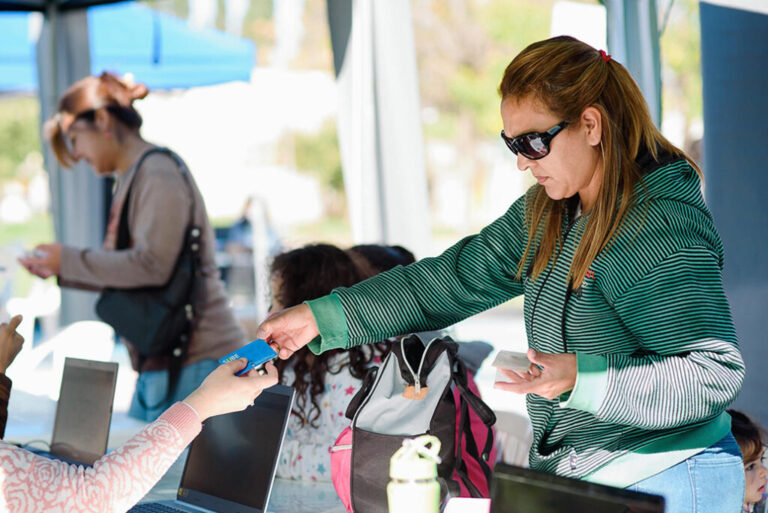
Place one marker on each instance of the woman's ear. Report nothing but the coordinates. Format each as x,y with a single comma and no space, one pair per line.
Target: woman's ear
592,121
103,120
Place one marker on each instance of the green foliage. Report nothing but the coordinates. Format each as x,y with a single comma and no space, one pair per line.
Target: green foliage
318,154
515,24
462,50
178,8
26,235
19,133
34,231
681,59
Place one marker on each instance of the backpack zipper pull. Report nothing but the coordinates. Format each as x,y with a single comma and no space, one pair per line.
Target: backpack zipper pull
416,392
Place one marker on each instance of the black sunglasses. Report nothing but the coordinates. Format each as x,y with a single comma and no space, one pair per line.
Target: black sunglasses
533,145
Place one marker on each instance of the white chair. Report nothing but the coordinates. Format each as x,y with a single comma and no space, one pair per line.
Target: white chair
515,435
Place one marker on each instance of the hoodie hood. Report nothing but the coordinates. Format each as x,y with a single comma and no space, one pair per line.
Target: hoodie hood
668,177
669,200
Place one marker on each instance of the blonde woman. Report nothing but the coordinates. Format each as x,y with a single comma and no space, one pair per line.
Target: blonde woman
97,122
634,354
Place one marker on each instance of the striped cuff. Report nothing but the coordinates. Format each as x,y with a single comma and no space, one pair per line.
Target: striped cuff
591,384
184,418
331,323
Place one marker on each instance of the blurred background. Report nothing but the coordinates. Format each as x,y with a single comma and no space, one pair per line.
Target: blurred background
268,139
253,95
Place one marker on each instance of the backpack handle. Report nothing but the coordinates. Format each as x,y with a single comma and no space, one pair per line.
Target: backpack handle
361,394
467,399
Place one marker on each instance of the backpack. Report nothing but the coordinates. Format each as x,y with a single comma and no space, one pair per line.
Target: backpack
417,390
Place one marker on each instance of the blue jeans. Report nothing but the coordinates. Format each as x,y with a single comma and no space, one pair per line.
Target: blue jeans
711,481
148,399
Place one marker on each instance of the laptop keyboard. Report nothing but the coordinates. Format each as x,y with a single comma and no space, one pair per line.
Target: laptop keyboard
151,507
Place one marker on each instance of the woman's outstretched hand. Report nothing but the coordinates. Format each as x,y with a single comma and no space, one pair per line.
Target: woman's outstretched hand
44,261
549,375
223,392
289,330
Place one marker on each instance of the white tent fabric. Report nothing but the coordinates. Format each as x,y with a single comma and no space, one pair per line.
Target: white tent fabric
633,40
379,125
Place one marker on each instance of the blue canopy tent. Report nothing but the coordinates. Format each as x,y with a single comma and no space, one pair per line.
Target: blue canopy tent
18,70
160,50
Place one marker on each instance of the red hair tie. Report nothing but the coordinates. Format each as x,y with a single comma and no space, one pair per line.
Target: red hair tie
604,56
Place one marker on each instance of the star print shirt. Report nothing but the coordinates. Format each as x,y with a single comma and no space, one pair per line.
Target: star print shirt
306,450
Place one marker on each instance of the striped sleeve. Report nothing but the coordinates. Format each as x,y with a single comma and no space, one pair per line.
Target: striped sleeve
690,367
474,275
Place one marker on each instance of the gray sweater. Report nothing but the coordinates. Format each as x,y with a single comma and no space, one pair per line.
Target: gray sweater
158,219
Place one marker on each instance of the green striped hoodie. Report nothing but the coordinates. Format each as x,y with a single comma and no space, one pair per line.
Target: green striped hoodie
657,354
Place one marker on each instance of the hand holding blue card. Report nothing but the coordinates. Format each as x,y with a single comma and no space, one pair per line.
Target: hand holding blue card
257,352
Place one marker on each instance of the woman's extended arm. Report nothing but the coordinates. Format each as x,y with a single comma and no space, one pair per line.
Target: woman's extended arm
475,274
30,483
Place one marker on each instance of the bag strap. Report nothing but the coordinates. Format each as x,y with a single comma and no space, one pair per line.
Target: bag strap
467,399
123,232
461,465
192,243
361,394
482,410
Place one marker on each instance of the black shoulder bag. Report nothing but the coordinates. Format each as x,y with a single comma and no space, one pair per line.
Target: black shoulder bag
157,321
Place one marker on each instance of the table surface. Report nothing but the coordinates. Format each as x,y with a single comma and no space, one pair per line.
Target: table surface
287,496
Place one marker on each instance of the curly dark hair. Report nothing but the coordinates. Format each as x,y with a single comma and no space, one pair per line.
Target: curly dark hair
372,259
309,273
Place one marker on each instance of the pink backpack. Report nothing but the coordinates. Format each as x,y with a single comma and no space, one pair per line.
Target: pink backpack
397,402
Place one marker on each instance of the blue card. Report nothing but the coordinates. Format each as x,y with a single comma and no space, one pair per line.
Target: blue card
257,352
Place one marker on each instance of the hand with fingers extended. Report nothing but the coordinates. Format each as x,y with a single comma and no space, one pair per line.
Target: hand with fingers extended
549,376
10,342
289,330
223,392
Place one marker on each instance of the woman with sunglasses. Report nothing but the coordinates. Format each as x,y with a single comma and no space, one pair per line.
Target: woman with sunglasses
633,352
97,122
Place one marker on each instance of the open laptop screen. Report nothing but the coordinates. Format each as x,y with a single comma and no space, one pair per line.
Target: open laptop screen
84,410
516,489
232,462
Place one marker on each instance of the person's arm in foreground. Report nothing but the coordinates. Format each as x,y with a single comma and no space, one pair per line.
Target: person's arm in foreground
10,345
31,483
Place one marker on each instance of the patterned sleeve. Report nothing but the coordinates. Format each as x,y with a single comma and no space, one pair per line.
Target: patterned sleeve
32,483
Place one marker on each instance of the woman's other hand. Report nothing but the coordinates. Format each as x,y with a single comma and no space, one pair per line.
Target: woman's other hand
549,376
44,261
223,392
289,330
10,342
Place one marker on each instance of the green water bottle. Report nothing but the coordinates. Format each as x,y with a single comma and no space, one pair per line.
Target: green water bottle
413,485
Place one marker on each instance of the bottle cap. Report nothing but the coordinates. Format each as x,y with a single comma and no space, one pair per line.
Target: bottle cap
416,459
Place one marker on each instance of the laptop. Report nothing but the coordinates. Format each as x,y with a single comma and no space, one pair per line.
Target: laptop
83,413
516,489
231,464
